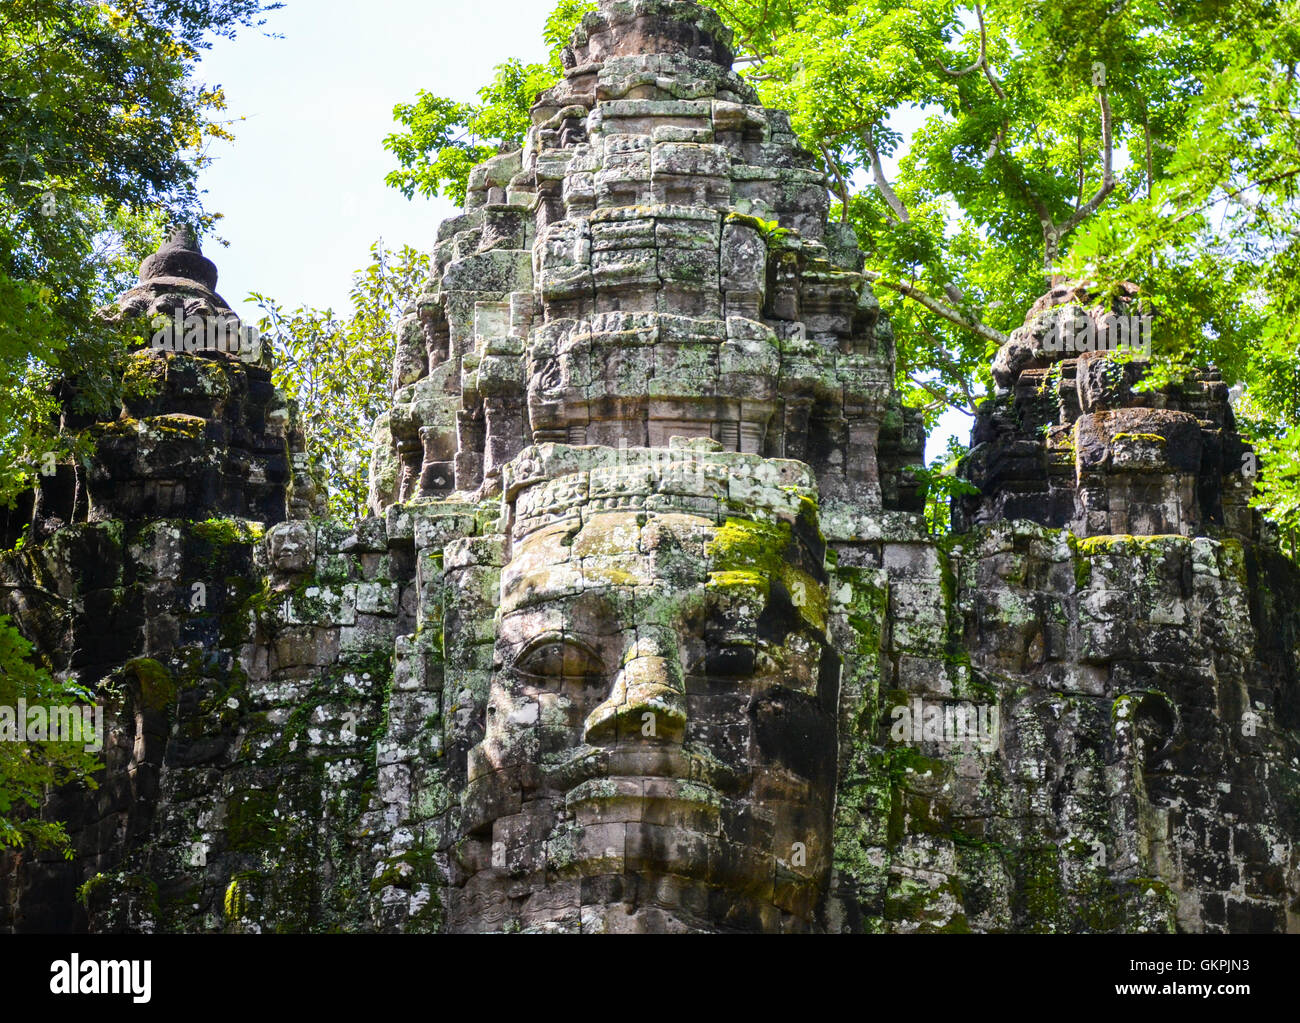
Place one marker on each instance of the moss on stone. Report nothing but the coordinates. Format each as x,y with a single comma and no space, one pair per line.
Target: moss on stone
1126,544
745,220
757,545
404,871
605,575
235,901
87,892
744,552
225,532
176,426
1232,561
906,760
739,579
1037,874
157,687
1154,438
1082,564
118,427
864,610
250,822
106,889
144,376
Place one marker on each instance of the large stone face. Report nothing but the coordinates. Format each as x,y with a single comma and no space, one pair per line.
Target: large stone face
646,632
662,703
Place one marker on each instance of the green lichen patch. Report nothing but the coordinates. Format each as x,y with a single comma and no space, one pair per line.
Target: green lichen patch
1127,545
144,377
176,427
251,824
235,902
1150,438
753,223
157,687
760,554
1082,564
225,532
120,901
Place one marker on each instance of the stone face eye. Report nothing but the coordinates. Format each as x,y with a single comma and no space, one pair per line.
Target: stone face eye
563,660
723,662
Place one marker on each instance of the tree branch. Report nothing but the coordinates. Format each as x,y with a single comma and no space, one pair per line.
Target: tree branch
938,396
982,62
839,178
1108,174
954,293
882,183
1151,178
1280,176
946,358
940,309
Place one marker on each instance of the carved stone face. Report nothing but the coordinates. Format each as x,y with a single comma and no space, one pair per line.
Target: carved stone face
292,547
660,739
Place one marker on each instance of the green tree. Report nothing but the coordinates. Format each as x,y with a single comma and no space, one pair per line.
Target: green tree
337,370
444,138
1214,240
1144,142
102,129
942,484
29,769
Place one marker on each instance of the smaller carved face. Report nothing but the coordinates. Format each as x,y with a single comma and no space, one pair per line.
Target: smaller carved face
292,547
660,738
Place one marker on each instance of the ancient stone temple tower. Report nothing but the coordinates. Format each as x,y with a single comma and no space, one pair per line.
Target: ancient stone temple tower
655,263
201,435
1067,441
646,631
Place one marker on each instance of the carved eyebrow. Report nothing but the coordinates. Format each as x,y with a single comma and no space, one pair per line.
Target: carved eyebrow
549,639
529,646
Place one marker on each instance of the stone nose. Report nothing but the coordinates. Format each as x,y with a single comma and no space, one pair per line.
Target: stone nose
647,702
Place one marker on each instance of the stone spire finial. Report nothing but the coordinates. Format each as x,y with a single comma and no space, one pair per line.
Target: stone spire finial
178,275
180,258
627,28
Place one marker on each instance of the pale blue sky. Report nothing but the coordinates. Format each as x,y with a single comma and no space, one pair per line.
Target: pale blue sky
301,189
